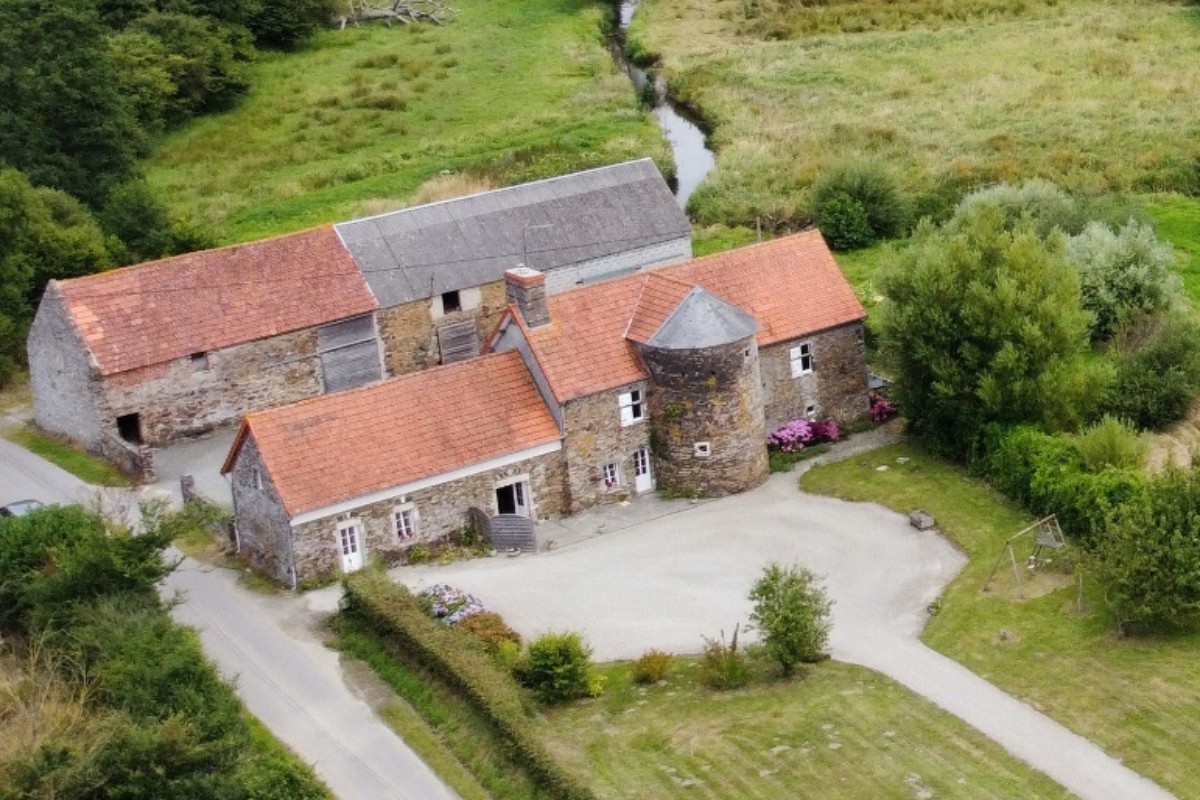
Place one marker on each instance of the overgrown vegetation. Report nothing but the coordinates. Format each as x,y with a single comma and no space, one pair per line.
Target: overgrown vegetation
112,698
367,120
791,611
930,88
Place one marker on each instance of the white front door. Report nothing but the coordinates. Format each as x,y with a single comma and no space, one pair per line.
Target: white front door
643,481
350,535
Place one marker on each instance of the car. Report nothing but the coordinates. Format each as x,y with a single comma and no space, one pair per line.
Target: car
21,508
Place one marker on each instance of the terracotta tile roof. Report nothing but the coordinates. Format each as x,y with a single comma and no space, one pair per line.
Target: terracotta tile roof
791,285
162,310
659,297
341,446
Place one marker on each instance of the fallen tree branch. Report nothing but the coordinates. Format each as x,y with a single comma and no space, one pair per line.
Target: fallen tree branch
406,12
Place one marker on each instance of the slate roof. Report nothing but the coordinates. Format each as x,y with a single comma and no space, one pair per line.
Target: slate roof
163,310
424,251
342,446
703,320
791,286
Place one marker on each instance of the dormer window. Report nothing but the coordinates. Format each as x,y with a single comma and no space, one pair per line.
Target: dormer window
631,406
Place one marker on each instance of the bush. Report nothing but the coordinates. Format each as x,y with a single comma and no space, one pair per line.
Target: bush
556,667
1111,442
857,205
652,667
458,661
722,667
490,628
1037,203
801,433
1155,385
792,614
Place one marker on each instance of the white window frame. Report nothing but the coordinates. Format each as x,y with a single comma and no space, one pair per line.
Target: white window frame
801,359
632,406
611,475
406,522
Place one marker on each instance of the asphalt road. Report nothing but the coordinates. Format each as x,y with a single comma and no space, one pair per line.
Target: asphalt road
666,582
270,647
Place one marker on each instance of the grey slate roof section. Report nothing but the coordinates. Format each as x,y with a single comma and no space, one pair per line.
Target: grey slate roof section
424,251
703,320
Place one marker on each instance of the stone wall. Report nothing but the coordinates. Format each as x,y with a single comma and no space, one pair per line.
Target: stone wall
707,412
179,398
66,396
595,437
441,510
408,331
262,526
837,386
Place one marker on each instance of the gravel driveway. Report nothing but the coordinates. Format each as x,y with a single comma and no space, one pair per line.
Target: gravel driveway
669,581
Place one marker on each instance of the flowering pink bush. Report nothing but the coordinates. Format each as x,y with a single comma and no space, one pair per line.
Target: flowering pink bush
799,433
882,409
449,604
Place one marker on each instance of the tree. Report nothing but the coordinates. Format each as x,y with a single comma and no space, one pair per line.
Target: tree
285,24
1155,384
982,325
792,614
856,205
144,227
63,121
1123,275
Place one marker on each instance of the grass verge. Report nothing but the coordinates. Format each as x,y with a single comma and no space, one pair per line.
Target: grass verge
949,95
838,731
1137,698
366,120
75,461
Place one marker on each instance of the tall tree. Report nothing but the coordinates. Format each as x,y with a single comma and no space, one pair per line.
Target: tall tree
63,121
984,324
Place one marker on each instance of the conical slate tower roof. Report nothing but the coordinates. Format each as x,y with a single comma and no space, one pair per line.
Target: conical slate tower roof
703,320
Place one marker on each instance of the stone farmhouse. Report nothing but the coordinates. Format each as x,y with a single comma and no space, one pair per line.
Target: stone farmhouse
148,354
669,379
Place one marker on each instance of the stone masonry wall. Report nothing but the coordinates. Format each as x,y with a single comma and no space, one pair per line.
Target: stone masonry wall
837,386
595,437
262,525
65,394
708,396
441,510
409,333
178,399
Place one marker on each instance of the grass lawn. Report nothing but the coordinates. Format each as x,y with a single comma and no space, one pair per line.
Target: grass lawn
840,731
1138,698
366,120
1097,95
80,464
1177,219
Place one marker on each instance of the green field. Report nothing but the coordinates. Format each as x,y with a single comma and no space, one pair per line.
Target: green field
365,120
1138,698
839,731
1096,95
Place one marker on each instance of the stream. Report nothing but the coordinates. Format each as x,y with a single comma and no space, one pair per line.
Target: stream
693,159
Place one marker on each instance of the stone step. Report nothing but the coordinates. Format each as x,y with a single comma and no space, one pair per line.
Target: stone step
512,532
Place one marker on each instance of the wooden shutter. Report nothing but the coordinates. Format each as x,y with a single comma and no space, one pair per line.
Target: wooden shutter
458,341
349,354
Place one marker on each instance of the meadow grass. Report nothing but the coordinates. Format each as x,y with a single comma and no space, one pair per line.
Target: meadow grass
1177,220
1096,95
82,465
837,730
1137,698
361,119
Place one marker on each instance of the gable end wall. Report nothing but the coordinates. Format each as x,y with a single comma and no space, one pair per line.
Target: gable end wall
67,398
263,527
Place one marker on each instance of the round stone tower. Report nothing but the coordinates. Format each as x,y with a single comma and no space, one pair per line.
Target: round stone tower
705,398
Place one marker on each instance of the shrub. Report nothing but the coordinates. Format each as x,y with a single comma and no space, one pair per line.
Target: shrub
801,433
1111,442
856,205
556,667
1155,385
792,614
722,667
491,629
448,604
652,667
1037,203
882,409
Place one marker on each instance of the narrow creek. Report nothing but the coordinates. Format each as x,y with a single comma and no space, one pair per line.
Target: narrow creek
693,159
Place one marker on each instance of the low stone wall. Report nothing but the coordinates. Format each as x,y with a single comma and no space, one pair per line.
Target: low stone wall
136,461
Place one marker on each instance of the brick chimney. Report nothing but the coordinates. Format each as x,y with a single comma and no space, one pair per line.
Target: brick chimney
525,288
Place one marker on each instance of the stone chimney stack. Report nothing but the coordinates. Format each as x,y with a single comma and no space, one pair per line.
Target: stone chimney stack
525,288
